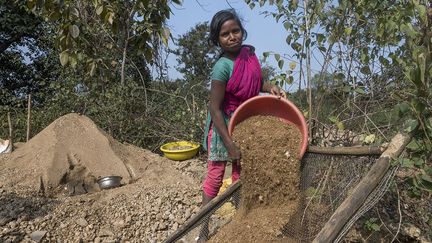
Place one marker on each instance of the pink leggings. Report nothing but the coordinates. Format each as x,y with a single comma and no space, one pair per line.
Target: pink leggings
215,173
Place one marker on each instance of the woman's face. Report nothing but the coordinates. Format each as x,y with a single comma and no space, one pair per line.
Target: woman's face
230,36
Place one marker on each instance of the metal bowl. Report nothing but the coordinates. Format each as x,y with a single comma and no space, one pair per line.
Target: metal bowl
108,182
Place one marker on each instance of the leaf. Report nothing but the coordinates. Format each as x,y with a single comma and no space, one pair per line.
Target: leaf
99,10
383,61
375,227
110,18
277,56
148,54
346,89
408,30
165,35
64,57
402,108
408,163
340,76
280,63
426,178
296,46
413,145
369,139
320,38
360,91
74,12
410,125
287,25
74,31
310,191
322,48
92,69
288,39
73,60
365,70
429,125
348,30
333,119
421,9
340,125
292,65
265,55
419,162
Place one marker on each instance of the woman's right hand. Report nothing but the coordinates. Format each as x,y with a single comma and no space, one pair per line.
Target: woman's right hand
234,154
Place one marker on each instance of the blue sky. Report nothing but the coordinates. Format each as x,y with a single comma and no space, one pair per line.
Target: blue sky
263,32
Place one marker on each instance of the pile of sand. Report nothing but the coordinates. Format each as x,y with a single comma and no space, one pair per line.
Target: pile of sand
64,160
72,153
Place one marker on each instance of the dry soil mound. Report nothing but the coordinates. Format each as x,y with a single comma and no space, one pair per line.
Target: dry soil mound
156,197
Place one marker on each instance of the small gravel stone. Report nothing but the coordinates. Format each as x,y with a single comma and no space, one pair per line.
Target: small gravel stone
37,235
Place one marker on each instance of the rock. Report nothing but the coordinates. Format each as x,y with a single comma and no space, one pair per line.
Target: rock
128,219
187,214
81,222
175,226
12,225
105,232
4,221
162,226
411,231
38,235
119,223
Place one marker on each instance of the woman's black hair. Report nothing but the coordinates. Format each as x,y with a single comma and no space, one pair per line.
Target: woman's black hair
218,20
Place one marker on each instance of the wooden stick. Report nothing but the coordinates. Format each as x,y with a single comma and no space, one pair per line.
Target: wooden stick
361,150
354,201
10,132
203,212
28,116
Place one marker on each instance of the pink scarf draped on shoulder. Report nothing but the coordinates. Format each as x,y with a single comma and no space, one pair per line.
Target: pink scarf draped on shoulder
245,81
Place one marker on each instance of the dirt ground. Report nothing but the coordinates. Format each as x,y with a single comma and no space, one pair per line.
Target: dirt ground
270,181
49,193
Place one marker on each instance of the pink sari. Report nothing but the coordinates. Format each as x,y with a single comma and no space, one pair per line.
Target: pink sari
245,81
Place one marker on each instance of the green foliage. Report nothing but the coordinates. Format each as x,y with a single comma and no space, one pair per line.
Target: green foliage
124,112
195,56
371,224
140,112
98,33
368,30
17,26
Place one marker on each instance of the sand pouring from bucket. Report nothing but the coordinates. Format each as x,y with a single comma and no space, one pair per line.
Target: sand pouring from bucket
270,105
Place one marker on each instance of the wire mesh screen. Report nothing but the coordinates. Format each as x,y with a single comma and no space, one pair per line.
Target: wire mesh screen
208,224
326,180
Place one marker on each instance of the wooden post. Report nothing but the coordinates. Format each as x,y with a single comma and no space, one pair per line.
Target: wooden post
28,116
360,150
202,213
10,132
354,201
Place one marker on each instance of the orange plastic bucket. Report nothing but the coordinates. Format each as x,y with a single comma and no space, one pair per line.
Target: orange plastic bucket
270,105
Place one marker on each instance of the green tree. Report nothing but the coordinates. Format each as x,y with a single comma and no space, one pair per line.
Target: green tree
17,26
115,28
25,56
195,56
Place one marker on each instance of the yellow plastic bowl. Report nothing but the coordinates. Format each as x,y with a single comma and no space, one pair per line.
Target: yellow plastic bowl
181,150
